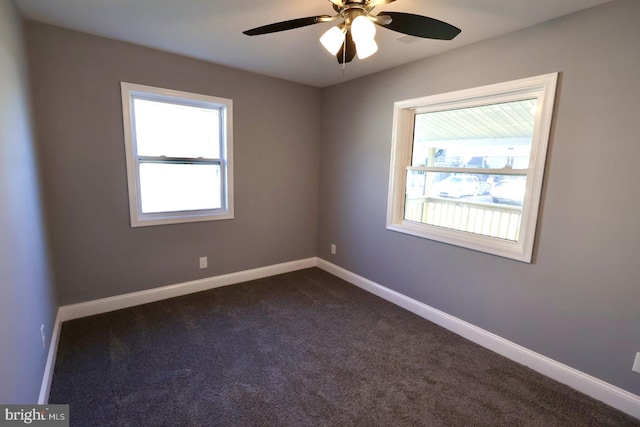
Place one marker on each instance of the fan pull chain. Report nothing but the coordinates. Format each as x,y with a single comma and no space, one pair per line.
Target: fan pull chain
344,55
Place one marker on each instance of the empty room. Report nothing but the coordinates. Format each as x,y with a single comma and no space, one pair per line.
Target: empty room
329,212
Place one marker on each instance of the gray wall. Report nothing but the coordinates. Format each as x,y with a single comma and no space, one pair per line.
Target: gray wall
76,84
26,295
578,302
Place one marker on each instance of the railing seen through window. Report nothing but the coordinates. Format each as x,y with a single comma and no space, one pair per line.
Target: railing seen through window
469,168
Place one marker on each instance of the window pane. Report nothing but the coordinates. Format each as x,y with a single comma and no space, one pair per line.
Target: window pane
172,130
179,187
490,205
491,136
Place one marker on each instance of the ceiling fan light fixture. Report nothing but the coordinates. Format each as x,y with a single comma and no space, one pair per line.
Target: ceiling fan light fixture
333,39
362,29
366,48
363,32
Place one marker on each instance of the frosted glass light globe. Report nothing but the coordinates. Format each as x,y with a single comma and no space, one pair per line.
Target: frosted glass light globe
362,28
332,40
366,48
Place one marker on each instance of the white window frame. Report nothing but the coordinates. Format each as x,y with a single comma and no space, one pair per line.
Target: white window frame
542,88
131,91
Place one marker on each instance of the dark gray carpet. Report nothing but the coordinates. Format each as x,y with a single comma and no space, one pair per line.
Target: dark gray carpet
299,349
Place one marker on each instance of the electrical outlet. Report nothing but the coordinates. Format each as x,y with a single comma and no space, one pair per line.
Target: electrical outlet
42,336
333,249
636,364
203,262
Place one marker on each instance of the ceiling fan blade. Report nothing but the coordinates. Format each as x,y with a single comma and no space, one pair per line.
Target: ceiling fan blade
381,19
288,25
420,26
374,3
351,50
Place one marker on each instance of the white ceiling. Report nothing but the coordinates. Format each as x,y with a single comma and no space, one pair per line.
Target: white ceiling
212,30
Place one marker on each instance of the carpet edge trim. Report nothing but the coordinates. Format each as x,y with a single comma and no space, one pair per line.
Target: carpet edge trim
616,397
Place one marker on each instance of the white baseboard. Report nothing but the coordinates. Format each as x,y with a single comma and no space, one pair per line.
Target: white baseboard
43,398
591,386
104,305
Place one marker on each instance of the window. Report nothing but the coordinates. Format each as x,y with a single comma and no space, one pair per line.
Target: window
179,155
467,166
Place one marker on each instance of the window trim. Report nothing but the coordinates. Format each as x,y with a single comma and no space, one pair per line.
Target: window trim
541,87
131,91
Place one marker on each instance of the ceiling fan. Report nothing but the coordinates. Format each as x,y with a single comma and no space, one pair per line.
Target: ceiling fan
355,34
